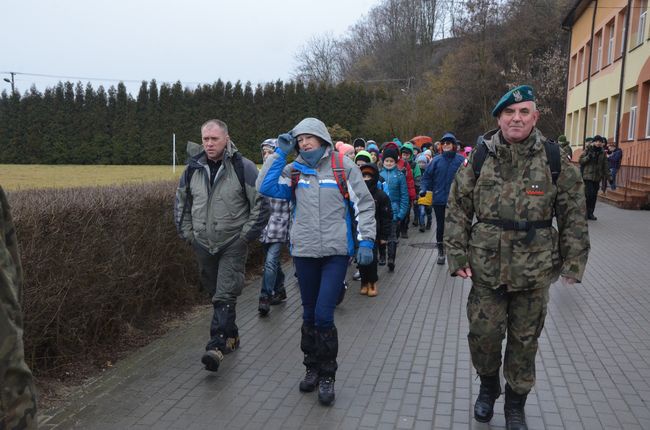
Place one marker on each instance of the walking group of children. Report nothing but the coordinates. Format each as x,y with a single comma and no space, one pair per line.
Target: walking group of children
310,196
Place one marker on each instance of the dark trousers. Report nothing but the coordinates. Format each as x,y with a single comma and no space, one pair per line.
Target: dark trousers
321,282
591,195
369,272
440,221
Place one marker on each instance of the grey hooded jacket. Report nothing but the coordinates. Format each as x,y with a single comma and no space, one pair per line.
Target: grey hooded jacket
223,211
321,224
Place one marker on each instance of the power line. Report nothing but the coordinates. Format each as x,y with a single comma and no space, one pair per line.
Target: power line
86,78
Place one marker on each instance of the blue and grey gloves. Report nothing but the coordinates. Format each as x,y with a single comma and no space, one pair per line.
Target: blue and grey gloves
286,143
364,255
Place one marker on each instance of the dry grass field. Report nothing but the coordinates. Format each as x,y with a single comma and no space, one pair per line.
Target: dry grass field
14,177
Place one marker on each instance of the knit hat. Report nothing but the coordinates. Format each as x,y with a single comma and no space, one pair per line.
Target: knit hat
359,141
392,145
363,156
407,147
373,170
390,153
422,158
561,138
345,148
373,148
271,143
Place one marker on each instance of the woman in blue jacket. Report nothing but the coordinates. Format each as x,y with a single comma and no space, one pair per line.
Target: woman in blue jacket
395,187
322,236
438,178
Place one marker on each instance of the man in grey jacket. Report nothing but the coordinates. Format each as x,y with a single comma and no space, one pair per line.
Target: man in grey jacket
218,212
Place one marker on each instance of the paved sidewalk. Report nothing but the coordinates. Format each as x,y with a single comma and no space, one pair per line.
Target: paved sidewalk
404,359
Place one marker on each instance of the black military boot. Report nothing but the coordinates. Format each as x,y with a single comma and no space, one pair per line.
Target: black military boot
327,342
264,306
514,410
488,394
232,331
392,253
441,253
382,255
308,347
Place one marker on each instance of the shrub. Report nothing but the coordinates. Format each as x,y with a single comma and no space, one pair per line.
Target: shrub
98,263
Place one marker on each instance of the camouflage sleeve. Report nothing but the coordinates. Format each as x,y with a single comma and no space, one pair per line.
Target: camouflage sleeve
572,226
17,397
459,216
11,243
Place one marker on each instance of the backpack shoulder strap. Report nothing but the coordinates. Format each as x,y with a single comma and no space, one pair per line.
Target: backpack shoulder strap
238,164
187,204
295,178
553,156
339,174
479,157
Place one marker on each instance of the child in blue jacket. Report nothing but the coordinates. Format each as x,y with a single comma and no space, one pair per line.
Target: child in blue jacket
395,187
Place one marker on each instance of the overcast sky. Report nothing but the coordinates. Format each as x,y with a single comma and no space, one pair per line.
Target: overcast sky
194,41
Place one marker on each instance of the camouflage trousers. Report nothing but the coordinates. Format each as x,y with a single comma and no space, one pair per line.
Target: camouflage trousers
17,396
494,312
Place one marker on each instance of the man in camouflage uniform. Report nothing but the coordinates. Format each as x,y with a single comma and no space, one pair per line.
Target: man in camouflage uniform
593,162
513,253
17,397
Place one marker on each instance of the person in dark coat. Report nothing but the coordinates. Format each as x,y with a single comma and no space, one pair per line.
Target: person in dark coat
384,220
437,178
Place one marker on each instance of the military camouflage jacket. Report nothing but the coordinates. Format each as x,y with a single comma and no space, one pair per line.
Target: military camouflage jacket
593,163
516,184
11,276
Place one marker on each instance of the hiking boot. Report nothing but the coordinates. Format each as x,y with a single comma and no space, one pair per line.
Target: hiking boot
416,222
278,298
429,224
514,410
391,265
264,307
356,276
310,381
372,289
364,289
441,254
421,228
488,394
591,217
382,260
326,390
211,359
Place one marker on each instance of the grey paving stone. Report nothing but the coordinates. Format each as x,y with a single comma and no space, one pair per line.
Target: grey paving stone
403,356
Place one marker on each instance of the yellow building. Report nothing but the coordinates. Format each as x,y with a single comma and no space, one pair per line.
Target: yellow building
609,76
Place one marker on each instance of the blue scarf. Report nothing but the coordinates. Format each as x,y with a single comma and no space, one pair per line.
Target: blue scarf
312,157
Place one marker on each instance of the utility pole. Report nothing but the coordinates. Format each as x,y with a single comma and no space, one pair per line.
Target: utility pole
11,81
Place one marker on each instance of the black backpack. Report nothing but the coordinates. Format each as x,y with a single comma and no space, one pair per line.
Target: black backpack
552,158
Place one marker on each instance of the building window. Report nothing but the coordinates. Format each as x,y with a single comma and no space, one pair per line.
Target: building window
581,59
632,125
641,31
599,54
605,124
610,45
647,120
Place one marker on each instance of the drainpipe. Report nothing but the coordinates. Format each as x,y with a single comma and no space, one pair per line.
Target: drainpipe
591,50
566,85
622,77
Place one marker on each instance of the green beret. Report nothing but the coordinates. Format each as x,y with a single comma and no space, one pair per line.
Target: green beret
523,93
561,138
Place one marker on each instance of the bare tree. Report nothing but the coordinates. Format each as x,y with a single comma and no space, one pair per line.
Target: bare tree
319,60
